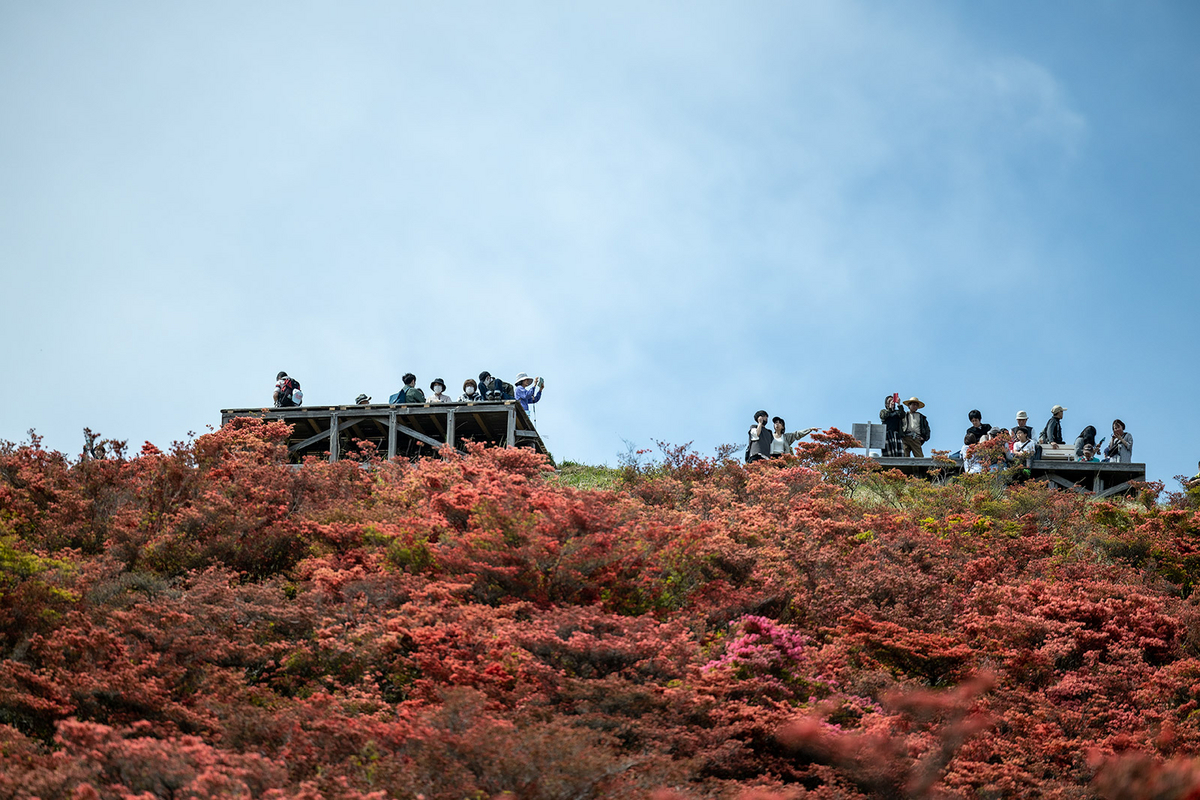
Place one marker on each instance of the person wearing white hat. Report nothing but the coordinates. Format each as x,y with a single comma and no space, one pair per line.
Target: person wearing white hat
1051,435
529,390
916,428
1023,423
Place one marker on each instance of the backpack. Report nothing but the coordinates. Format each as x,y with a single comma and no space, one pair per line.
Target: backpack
291,394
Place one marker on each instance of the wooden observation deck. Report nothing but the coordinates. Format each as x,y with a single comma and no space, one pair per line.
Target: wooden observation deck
405,430
1104,479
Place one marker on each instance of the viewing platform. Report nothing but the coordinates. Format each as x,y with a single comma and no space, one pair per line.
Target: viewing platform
1104,478
404,430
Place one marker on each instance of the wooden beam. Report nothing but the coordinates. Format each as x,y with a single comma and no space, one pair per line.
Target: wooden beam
391,428
510,439
334,430
1063,482
1120,487
450,427
292,448
482,427
420,437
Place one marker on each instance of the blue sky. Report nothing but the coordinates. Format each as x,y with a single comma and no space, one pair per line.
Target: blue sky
675,212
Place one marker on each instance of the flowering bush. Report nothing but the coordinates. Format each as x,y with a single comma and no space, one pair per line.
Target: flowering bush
209,621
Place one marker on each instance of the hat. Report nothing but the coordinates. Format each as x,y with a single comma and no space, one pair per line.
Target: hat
362,400
912,400
521,376
1057,409
436,381
1022,415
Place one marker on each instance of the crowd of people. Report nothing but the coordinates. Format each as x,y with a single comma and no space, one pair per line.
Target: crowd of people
525,390
907,431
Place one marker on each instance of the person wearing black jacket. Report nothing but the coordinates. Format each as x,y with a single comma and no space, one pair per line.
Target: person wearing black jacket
492,388
978,429
916,428
892,416
1052,436
759,447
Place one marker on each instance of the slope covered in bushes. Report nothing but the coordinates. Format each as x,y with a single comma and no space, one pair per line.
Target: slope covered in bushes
208,622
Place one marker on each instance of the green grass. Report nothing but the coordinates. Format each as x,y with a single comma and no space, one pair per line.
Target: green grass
586,476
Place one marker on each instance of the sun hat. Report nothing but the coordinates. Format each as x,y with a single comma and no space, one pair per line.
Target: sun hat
910,401
436,381
521,376
1022,415
362,400
1057,409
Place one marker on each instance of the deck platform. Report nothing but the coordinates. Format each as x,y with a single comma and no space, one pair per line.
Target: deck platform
1104,478
404,430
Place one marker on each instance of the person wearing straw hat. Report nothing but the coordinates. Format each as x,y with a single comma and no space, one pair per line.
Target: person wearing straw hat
915,428
529,390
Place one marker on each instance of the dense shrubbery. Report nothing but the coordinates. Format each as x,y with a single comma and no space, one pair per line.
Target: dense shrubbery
209,622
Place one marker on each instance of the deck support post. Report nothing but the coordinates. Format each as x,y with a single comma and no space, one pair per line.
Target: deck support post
333,438
510,436
450,427
391,435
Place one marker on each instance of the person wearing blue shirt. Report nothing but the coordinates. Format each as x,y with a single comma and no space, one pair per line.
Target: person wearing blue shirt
529,390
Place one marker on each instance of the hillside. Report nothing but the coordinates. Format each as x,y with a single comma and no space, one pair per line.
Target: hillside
207,622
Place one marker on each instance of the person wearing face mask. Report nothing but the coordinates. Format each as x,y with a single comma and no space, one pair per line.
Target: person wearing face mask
781,442
438,387
470,392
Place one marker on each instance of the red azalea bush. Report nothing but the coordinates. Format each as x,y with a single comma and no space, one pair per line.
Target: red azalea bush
212,622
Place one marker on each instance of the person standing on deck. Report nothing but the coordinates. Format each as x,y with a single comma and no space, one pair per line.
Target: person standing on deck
529,390
1052,434
916,428
892,416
